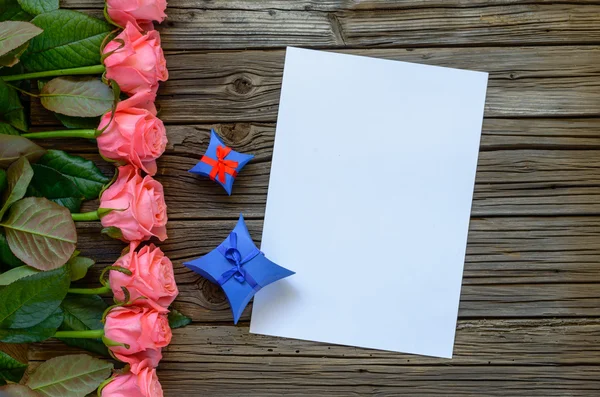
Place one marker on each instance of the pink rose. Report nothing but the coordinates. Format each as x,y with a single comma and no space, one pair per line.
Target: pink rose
139,209
145,359
144,384
143,329
151,278
140,13
135,135
137,64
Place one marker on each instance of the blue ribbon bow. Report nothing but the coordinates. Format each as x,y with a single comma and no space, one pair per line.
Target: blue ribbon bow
233,256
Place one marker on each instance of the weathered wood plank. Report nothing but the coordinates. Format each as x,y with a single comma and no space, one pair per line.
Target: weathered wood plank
499,250
524,82
508,182
191,26
330,5
281,377
497,134
515,267
478,342
204,302
531,268
536,134
326,5
245,96
533,357
324,376
546,81
505,134
517,182
516,24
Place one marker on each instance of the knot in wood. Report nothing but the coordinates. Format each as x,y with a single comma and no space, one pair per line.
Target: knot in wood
242,85
235,133
211,295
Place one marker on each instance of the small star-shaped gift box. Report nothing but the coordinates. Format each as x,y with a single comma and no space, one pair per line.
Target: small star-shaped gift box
239,267
220,163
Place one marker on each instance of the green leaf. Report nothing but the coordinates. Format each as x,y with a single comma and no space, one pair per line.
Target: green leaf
40,233
14,146
7,258
14,40
3,182
36,7
69,376
11,109
70,39
49,183
84,173
32,299
78,122
15,274
14,34
71,121
77,96
11,58
78,267
10,10
19,176
14,390
178,320
113,232
11,370
37,333
82,313
7,129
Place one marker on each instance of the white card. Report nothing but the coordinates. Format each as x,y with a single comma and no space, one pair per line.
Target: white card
369,201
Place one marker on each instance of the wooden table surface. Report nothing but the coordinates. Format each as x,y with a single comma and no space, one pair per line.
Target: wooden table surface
529,320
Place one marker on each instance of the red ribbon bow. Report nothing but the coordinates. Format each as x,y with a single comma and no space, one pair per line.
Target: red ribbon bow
220,165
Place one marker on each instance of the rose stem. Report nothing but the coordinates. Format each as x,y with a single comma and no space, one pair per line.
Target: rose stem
86,216
103,384
87,334
89,291
96,69
89,134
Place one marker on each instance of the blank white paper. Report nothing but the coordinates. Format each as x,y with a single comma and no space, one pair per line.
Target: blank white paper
369,201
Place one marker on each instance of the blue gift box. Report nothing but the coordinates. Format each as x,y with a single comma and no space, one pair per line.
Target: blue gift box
220,163
239,267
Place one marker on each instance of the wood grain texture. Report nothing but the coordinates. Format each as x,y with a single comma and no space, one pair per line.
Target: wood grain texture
499,250
515,267
329,5
497,134
524,82
478,342
312,379
226,360
205,302
513,178
193,26
17,351
515,182
245,86
530,305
